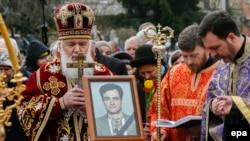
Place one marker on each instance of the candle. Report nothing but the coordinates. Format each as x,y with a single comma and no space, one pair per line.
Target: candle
5,34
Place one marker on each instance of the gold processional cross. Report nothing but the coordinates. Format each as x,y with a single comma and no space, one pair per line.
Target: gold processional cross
159,39
81,64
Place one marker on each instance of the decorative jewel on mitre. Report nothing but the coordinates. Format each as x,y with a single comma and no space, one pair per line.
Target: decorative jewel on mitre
74,20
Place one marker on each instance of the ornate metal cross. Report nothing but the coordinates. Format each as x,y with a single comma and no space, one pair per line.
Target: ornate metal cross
158,40
81,64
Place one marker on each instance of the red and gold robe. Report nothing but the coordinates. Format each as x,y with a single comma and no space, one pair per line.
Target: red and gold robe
42,113
182,93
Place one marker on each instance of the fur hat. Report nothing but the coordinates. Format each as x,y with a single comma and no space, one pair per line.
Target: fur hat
143,56
5,58
13,43
74,20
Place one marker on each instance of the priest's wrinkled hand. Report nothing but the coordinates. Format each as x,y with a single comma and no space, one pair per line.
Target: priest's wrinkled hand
74,98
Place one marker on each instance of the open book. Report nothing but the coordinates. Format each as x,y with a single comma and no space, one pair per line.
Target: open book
184,122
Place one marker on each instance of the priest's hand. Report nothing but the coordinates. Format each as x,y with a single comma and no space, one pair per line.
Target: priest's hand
163,136
146,130
226,104
222,105
74,98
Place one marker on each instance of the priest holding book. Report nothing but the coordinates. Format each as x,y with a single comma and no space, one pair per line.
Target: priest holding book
184,87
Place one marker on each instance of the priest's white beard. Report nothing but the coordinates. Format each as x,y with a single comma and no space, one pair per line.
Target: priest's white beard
72,73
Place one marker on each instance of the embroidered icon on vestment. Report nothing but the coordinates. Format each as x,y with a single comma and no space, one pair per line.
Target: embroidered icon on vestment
54,85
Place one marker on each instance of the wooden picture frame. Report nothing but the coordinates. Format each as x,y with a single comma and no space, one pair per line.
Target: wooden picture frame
101,125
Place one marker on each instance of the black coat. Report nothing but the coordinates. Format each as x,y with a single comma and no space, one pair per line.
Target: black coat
15,131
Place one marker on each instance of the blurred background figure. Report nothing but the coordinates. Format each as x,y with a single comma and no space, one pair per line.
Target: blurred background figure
145,25
131,45
175,58
114,64
37,54
114,46
53,50
141,37
23,46
126,58
104,47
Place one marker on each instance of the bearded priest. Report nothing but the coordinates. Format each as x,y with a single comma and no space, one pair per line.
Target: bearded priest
53,108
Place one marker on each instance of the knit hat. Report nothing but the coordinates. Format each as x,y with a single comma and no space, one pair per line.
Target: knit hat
35,50
123,56
144,56
46,53
99,44
5,58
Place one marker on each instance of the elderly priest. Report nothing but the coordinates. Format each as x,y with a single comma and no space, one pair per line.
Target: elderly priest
53,108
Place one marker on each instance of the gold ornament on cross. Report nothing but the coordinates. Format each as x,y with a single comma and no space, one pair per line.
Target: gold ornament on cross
80,65
159,39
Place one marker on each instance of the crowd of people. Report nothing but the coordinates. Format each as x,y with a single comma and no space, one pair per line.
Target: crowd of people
208,76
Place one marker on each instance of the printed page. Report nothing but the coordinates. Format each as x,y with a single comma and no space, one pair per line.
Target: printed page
184,122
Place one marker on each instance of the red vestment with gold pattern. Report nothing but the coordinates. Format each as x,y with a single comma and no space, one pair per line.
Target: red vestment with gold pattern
182,93
42,113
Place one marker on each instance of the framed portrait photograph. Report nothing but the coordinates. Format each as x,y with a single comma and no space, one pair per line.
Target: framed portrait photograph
113,110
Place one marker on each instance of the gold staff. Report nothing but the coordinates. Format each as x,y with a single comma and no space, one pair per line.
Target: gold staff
13,94
158,40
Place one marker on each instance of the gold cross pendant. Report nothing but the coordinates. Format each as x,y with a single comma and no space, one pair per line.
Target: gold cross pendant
80,65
